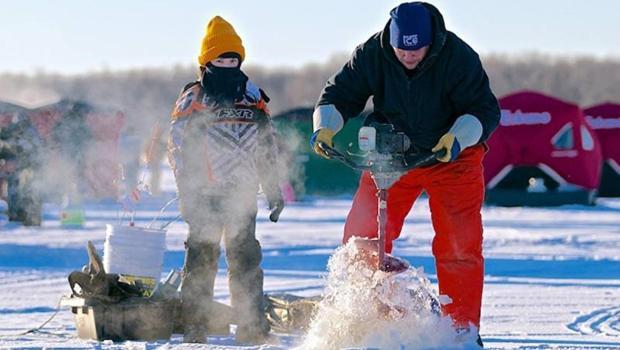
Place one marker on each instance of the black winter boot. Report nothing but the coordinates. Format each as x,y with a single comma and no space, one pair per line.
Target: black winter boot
243,254
197,290
479,342
194,334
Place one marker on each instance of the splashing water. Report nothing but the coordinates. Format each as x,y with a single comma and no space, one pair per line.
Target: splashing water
366,308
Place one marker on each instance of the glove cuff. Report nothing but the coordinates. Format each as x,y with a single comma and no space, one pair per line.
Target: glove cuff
327,117
467,129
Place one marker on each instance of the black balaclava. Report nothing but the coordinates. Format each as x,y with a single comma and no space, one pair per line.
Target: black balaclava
224,84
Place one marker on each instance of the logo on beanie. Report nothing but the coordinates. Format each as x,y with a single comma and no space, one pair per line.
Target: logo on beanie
410,40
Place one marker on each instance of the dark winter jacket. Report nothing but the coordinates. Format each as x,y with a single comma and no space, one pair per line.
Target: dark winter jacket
19,146
223,149
448,83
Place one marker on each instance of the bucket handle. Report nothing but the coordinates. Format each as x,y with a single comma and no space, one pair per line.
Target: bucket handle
170,222
163,209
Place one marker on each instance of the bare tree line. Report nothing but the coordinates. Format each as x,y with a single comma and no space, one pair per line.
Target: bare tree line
146,95
582,80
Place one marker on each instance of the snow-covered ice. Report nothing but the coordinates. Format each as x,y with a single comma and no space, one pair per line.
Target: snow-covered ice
552,276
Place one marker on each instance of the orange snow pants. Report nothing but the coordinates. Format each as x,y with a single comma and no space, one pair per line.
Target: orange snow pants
456,192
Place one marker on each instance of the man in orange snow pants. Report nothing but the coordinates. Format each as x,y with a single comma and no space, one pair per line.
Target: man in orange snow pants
430,85
456,192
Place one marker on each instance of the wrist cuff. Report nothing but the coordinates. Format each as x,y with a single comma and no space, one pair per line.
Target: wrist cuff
327,116
467,129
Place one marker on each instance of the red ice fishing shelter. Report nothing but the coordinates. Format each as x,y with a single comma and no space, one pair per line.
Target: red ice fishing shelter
82,147
103,161
543,153
605,120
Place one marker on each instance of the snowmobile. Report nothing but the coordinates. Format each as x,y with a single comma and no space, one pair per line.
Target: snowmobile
386,155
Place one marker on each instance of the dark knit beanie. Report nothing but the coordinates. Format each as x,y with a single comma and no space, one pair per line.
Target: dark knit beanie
410,26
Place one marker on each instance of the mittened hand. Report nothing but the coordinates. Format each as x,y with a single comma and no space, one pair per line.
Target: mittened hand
275,208
322,135
451,145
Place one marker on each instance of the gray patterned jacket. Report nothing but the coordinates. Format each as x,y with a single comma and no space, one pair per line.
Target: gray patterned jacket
222,150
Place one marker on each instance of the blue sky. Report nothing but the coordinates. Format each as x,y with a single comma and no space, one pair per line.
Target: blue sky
74,36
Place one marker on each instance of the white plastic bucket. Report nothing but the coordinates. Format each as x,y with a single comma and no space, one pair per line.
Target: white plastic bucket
134,251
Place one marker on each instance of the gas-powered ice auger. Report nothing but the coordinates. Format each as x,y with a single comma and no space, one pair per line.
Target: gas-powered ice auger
385,155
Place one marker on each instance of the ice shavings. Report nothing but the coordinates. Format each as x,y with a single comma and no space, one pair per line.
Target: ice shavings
363,307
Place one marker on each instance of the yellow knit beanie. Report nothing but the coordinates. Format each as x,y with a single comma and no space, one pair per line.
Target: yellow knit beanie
220,37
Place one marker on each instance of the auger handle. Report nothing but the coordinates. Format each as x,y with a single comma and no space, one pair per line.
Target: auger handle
416,162
335,154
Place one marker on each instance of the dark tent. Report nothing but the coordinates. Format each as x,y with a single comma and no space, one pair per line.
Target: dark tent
306,170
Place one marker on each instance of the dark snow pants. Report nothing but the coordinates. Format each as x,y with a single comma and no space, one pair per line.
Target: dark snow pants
210,219
456,193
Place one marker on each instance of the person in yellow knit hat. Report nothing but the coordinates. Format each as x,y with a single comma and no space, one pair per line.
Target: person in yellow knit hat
221,147
220,38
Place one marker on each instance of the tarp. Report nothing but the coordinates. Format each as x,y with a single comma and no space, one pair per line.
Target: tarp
10,113
547,133
12,118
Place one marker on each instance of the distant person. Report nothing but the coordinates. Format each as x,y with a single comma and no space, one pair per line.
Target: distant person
154,154
130,145
221,146
429,84
20,171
